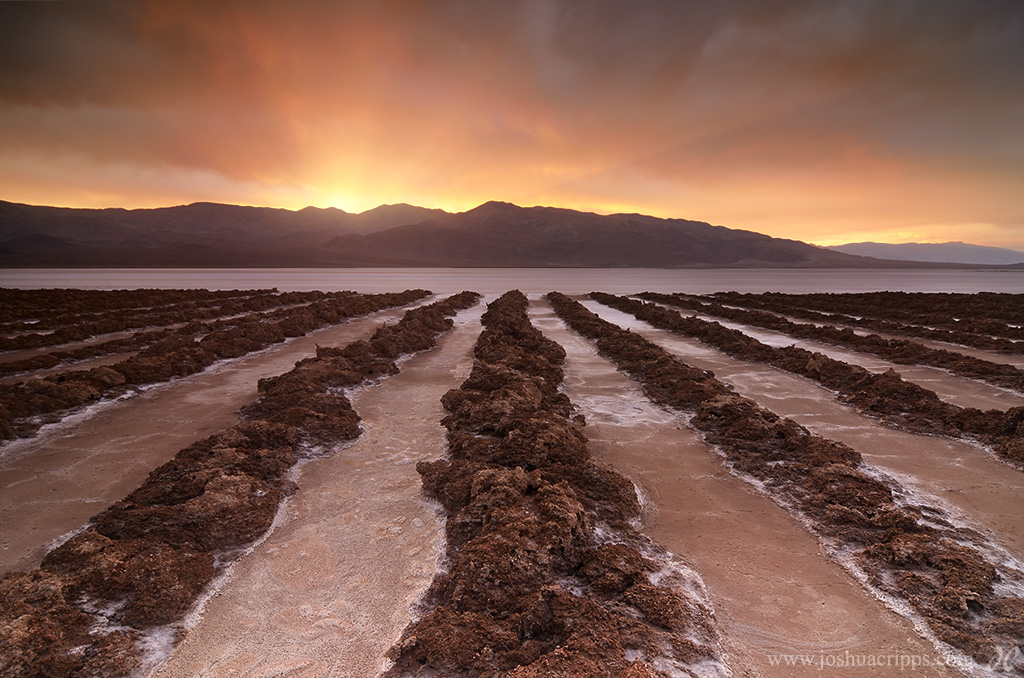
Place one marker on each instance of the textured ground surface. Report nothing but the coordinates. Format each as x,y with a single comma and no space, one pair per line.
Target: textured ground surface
802,565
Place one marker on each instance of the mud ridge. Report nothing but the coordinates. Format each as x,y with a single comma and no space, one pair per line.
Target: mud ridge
982,312
546,574
136,342
904,551
27,405
186,318
985,320
77,315
899,351
143,562
887,396
49,308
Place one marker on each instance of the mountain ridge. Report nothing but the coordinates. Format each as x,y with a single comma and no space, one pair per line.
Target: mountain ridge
493,234
947,252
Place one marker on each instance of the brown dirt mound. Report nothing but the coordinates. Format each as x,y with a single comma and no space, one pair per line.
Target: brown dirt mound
230,511
43,634
901,351
530,589
985,320
947,582
145,581
169,354
885,396
145,560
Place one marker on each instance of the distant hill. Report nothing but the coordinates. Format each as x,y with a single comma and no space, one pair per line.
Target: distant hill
951,252
495,234
200,234
502,234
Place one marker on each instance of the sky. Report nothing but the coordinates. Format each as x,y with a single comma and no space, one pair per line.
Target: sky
827,121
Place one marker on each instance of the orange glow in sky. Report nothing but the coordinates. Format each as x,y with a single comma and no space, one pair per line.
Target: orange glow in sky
828,122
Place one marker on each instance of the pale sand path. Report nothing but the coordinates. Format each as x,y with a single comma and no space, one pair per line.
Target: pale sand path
967,477
56,481
775,591
333,586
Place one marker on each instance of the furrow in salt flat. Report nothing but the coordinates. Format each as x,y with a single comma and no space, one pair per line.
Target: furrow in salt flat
775,592
965,476
955,389
1014,359
331,588
54,482
87,364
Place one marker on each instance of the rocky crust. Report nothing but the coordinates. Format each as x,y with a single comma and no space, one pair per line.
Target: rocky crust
992,313
26,405
545,574
906,551
45,361
39,318
887,396
986,320
900,351
143,562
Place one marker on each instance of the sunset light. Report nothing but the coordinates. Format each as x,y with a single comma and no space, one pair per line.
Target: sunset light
828,122
457,338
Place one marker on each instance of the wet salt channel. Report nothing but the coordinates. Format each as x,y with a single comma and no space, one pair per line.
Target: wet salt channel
970,480
54,482
774,589
950,387
1014,359
335,582
331,588
101,361
20,354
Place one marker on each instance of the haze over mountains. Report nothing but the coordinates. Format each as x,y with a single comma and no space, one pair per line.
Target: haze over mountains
957,252
494,234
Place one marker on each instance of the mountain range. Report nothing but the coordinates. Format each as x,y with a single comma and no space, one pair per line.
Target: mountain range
495,234
955,252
